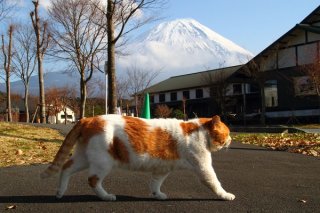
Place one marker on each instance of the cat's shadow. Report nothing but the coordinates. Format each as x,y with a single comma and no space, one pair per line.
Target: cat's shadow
88,198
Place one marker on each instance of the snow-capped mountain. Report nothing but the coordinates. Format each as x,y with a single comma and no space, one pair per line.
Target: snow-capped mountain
175,47
183,46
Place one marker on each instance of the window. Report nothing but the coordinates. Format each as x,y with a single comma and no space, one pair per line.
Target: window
152,99
253,88
68,116
162,97
271,93
214,91
186,94
237,89
173,96
199,93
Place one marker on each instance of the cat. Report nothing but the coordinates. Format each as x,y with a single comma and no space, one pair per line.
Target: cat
158,146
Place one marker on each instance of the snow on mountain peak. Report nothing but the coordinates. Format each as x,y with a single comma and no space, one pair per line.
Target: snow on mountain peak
191,35
183,46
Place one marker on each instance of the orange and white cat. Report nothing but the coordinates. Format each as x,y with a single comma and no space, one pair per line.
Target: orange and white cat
158,146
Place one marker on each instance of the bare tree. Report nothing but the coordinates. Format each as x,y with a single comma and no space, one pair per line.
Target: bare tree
255,70
79,37
217,84
163,111
24,60
42,41
313,72
53,101
138,81
123,16
122,90
7,58
6,8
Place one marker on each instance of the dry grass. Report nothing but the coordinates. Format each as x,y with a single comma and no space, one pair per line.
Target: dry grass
25,145
308,126
307,144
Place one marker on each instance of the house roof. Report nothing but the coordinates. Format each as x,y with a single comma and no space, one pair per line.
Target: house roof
193,80
306,25
198,79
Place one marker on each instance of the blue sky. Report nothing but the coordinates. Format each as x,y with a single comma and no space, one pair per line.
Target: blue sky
252,24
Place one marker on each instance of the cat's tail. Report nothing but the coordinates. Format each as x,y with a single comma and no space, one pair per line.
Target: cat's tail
64,151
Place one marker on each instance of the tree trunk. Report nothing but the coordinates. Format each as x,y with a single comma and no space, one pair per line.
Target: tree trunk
263,105
83,96
136,103
65,115
8,98
36,26
41,92
26,104
112,96
7,68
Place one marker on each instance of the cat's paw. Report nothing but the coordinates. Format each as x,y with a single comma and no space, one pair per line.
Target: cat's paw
59,195
159,195
227,196
109,197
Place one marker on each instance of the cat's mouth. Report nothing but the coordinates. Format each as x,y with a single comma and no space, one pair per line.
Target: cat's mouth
228,142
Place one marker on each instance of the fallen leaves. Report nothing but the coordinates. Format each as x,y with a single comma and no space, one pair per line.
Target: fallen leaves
302,201
26,145
307,144
19,152
11,207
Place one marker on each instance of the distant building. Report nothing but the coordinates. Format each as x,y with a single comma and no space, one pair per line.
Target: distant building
195,89
285,76
66,115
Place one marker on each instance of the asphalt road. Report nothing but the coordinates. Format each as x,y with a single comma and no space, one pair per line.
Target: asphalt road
262,180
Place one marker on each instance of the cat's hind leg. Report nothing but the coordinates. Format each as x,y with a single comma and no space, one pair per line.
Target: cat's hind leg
155,185
98,170
75,164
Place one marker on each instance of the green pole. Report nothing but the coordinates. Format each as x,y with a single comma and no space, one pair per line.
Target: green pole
146,107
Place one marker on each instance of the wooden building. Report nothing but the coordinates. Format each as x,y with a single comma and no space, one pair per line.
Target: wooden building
280,84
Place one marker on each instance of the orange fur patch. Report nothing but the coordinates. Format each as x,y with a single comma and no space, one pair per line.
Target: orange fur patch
67,164
189,127
119,151
91,127
218,131
93,180
156,142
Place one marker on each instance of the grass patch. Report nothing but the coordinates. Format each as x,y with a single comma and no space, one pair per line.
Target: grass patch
304,143
25,145
308,126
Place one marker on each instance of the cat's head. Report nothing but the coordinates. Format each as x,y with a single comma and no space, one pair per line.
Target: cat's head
219,134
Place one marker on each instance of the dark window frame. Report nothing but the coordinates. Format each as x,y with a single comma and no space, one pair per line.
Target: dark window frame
186,94
162,97
173,96
199,93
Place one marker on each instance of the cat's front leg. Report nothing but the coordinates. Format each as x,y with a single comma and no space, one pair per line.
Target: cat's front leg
207,175
155,185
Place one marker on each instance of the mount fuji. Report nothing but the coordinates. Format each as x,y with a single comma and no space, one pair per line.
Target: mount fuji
183,46
175,47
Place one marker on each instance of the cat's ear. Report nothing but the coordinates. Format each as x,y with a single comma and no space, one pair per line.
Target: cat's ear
216,119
